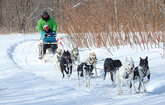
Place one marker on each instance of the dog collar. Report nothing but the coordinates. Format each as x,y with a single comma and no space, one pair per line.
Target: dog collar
88,64
127,74
75,57
129,70
58,53
144,71
144,68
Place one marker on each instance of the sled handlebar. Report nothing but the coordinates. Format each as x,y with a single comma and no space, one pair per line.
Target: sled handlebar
50,43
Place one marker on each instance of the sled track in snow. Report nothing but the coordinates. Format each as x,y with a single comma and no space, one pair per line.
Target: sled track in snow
24,55
39,84
12,48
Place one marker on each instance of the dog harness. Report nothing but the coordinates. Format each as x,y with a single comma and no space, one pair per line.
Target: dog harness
58,56
74,57
92,61
127,74
144,71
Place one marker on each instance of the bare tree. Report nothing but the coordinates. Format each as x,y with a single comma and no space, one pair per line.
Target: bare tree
0,13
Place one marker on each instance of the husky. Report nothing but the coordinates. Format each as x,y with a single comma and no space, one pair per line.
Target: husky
111,66
125,72
92,60
66,63
142,71
57,57
75,57
85,70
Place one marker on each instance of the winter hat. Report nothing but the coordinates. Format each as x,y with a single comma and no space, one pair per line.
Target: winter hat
45,16
45,13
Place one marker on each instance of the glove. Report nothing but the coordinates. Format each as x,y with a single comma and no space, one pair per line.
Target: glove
45,35
52,34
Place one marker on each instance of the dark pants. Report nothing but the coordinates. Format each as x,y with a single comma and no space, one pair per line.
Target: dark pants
52,46
46,46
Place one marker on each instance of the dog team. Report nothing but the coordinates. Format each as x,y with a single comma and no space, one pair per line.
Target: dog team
121,72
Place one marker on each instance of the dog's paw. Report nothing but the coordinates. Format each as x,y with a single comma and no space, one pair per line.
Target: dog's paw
43,60
120,93
68,75
113,85
91,74
97,76
137,92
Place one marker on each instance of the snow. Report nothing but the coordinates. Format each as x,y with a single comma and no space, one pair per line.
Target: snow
26,80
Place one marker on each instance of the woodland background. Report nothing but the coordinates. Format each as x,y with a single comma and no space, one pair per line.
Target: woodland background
91,22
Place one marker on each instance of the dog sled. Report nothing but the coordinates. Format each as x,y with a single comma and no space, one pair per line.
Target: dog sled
42,48
48,44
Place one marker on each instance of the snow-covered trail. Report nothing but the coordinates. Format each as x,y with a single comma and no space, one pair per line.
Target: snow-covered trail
26,80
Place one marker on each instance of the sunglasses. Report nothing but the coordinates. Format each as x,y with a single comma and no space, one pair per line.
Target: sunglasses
45,16
46,28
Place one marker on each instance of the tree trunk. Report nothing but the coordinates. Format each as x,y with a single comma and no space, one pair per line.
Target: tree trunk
0,13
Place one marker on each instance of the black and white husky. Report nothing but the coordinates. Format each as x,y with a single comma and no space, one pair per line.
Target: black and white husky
66,63
111,66
75,57
125,72
142,71
85,70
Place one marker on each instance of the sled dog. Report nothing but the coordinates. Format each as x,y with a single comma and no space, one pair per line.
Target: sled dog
92,60
57,58
85,70
75,57
111,66
125,72
142,71
66,63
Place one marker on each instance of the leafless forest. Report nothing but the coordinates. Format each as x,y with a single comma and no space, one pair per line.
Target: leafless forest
91,22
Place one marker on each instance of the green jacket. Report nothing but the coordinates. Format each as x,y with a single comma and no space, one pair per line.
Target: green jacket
51,23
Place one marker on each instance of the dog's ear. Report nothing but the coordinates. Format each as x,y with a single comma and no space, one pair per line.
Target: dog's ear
146,57
140,58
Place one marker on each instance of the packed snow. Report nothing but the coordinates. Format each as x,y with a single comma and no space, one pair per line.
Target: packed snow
27,80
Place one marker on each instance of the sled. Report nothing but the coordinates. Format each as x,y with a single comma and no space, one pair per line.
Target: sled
43,41
42,48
